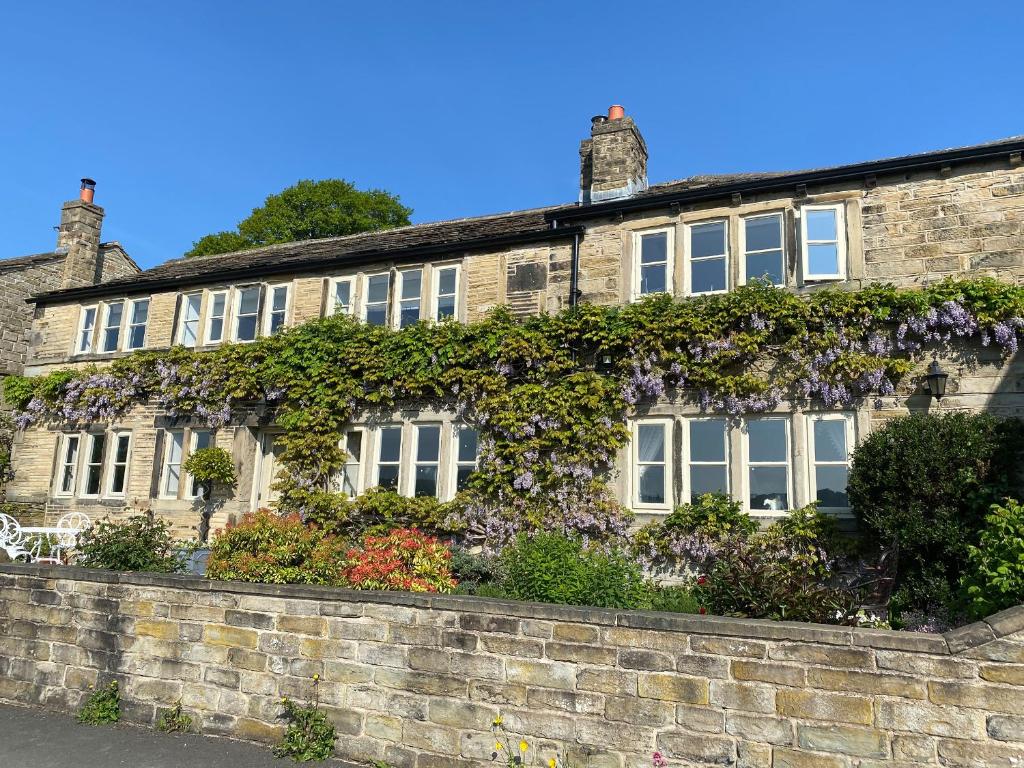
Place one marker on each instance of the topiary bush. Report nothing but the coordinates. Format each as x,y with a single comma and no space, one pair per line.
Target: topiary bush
211,465
275,549
139,543
404,559
553,568
994,575
922,484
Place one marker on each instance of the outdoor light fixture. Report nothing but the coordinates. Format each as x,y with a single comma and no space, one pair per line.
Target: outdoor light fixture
936,380
605,363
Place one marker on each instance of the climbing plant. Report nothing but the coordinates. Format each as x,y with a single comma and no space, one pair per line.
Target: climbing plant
550,419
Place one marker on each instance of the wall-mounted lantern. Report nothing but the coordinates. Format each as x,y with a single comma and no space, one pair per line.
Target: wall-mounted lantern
936,380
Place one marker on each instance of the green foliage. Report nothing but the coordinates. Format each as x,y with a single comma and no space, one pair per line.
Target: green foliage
211,465
275,549
473,570
922,484
18,390
675,599
307,211
139,543
102,706
692,529
994,575
403,558
6,441
552,568
174,720
310,734
376,511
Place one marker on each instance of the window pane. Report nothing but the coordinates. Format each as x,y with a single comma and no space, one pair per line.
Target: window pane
426,481
654,248
96,449
71,451
246,328
90,318
427,441
192,307
411,280
218,304
249,301
763,233
830,440
767,440
653,278
173,473
354,446
821,225
174,451
110,339
377,314
705,478
462,477
391,444
188,334
446,282
114,314
92,482
768,489
767,266
216,329
121,454
409,313
707,276
201,438
823,259
343,295
651,442
707,240
387,476
140,311
350,480
652,484
137,337
707,441
377,288
276,321
467,445
280,299
831,482
117,481
445,307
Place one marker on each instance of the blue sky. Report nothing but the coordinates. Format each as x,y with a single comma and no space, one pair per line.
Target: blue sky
189,114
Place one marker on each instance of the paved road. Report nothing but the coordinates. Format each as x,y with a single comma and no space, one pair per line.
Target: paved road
32,738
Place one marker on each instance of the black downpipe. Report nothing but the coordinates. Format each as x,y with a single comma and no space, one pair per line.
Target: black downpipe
574,272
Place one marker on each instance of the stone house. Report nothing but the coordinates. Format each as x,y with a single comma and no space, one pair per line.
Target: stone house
907,220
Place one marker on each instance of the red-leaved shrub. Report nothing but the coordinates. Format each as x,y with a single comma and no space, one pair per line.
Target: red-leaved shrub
402,559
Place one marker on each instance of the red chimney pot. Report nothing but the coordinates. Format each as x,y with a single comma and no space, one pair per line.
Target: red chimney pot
88,190
616,112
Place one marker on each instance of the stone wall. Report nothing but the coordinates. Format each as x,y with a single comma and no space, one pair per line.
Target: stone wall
20,279
417,679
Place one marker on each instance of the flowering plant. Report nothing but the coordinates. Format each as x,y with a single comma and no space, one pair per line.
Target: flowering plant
404,558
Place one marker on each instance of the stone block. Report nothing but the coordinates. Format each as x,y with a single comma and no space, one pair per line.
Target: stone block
586,654
502,694
1011,674
639,711
314,626
672,687
578,702
759,728
768,672
1003,728
700,749
811,705
728,646
541,674
643,659
925,719
867,682
791,758
430,737
235,637
988,697
460,714
826,655
512,645
859,742
161,630
248,619
746,697
960,753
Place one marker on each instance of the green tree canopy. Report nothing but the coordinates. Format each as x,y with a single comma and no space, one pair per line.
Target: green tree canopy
306,211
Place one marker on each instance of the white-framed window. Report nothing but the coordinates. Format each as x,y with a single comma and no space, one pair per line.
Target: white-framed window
198,439
86,329
173,449
428,460
352,443
408,294
247,311
830,440
119,452
389,457
823,242
113,315
216,315
707,257
652,464
278,301
467,444
375,298
768,464
763,249
96,443
707,457
188,319
652,262
68,469
445,292
138,318
342,299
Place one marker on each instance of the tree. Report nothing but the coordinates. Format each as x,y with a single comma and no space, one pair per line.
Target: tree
306,211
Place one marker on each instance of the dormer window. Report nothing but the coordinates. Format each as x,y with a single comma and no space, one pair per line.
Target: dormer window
823,242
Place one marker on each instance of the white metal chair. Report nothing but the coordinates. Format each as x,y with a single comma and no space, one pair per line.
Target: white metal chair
65,537
12,538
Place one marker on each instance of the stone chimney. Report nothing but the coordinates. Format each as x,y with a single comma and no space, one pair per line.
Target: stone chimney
79,238
613,161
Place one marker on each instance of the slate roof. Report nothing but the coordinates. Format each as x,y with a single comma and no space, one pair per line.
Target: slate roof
28,261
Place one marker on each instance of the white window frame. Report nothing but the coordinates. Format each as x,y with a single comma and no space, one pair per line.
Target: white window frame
85,349
670,250
360,465
688,461
689,258
236,315
179,336
788,464
743,243
332,299
364,305
105,326
634,464
192,489
453,476
812,459
415,458
379,444
435,288
211,302
86,464
397,300
114,438
165,464
130,324
840,242
63,465
268,307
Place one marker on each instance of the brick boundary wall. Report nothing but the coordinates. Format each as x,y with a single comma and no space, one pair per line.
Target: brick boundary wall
417,679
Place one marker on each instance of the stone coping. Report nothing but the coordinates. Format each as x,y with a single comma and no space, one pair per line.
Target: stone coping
953,642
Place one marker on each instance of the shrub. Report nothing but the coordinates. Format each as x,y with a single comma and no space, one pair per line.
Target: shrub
693,533
211,465
675,599
102,706
310,735
994,575
404,559
552,568
474,571
922,484
265,547
137,544
377,511
174,720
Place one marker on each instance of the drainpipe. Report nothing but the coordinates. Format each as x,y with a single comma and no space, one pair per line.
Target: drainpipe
574,272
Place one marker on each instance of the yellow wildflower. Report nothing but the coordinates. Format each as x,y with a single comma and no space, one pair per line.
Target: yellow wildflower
552,763
499,746
497,721
523,746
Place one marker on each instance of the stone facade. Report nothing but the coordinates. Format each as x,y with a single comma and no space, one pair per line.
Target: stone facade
416,680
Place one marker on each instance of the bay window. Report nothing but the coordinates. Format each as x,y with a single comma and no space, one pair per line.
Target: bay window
652,272
768,464
93,464
823,242
708,257
762,249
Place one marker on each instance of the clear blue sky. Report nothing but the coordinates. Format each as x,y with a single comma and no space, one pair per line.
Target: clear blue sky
189,114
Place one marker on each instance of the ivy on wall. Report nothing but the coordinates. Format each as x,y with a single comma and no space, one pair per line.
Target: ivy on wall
550,419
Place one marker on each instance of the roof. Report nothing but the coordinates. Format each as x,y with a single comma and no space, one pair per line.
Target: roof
28,261
532,225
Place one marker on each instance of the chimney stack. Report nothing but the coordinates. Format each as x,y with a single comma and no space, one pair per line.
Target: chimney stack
613,161
78,237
